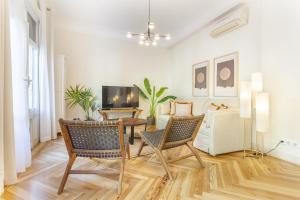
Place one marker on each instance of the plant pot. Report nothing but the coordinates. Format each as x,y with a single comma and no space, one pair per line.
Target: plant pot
150,120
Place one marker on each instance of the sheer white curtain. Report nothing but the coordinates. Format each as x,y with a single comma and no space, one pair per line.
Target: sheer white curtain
19,47
46,79
2,47
7,151
15,152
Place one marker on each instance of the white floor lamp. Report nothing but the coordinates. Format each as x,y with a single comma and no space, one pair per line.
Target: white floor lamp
262,120
245,110
254,106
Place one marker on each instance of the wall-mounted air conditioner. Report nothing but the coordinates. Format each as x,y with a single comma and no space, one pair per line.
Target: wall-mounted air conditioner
231,22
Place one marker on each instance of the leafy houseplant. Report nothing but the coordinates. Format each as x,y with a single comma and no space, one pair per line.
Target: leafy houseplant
83,97
153,97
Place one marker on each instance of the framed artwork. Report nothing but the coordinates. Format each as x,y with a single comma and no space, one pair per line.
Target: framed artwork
226,75
200,79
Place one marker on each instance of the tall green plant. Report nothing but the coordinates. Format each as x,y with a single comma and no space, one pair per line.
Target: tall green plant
82,97
154,97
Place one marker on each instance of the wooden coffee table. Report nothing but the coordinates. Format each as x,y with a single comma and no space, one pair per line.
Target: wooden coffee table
132,122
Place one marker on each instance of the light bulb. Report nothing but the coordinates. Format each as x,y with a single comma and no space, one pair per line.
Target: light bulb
154,43
129,35
168,37
141,42
147,43
142,36
156,37
151,25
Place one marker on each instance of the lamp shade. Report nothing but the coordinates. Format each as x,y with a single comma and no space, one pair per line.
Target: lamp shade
262,112
245,99
257,82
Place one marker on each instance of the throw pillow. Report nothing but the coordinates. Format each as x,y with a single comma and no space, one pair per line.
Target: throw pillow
183,109
165,108
172,109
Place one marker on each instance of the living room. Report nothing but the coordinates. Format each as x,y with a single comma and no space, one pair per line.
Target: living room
245,142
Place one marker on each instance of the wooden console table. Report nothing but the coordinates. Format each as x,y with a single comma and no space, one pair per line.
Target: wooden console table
135,112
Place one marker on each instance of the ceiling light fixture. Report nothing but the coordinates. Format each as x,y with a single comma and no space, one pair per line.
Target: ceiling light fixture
149,37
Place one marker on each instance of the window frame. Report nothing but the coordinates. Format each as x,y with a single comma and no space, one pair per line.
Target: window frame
32,11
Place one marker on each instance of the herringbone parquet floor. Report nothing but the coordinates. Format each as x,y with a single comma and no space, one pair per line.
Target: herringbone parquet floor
224,177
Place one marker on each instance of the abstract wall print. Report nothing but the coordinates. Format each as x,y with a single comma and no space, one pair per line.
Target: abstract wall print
226,75
200,79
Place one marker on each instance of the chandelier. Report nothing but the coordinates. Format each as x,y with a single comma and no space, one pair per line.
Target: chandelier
149,37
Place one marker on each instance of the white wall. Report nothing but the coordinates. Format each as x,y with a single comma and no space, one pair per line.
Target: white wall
93,60
269,43
201,47
280,64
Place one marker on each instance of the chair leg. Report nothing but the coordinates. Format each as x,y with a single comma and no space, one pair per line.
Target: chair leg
121,176
162,159
195,154
128,151
66,174
141,148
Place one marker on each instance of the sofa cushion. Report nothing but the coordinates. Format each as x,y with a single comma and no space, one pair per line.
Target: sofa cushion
162,121
172,108
164,117
183,109
165,108
204,131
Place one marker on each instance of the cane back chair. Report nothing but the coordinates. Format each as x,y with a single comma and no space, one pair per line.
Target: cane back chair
178,132
94,140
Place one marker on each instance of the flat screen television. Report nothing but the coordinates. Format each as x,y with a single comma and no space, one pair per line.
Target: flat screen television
119,97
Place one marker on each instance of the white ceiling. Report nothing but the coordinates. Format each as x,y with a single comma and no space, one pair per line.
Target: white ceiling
179,18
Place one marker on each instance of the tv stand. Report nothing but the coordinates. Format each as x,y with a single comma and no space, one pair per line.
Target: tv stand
135,112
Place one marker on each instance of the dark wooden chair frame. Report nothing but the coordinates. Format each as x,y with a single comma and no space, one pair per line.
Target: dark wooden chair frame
164,144
73,155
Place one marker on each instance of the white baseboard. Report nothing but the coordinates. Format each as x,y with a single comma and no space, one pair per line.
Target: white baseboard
45,139
288,154
1,186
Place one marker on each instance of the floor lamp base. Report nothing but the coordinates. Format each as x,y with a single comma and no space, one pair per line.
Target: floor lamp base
253,152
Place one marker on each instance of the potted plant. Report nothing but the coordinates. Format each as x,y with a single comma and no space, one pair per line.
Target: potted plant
154,98
82,97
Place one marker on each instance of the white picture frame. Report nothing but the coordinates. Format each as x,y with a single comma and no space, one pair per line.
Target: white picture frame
201,79
226,75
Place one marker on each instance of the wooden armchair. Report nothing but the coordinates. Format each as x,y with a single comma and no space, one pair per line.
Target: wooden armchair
179,131
93,140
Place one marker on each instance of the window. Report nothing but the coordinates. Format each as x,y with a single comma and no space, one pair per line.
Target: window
32,28
33,63
32,77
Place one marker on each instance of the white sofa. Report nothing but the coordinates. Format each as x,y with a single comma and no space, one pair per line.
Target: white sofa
221,131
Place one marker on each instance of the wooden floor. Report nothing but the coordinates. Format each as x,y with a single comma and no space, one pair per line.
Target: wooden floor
224,177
